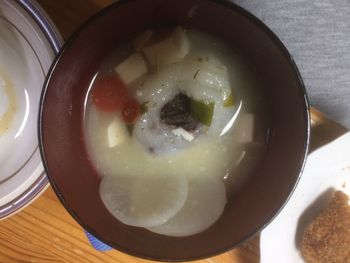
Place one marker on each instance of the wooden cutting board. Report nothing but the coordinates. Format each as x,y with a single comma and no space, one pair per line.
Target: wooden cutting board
45,232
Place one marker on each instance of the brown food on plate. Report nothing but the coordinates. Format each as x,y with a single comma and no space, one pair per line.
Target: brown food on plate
327,237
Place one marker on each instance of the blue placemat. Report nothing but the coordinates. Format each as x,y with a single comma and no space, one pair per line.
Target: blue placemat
97,244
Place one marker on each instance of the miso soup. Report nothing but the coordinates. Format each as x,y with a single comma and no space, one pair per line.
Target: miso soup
174,124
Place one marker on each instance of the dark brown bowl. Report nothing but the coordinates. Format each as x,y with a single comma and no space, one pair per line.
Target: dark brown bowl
62,140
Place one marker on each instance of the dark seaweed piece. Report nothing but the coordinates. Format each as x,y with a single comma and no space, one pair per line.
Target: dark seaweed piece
177,112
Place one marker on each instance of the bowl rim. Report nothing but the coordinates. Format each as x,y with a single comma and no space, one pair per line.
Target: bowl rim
40,18
297,75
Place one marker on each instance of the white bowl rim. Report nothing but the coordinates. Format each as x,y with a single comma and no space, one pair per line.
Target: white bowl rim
47,27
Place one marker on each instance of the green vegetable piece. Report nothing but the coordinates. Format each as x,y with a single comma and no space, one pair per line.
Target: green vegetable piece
202,112
143,107
229,101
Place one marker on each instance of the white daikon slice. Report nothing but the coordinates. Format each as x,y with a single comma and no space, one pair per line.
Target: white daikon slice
144,201
161,87
170,50
116,133
204,205
132,68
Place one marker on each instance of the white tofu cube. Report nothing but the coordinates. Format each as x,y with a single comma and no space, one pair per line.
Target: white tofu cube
117,133
170,50
132,68
181,42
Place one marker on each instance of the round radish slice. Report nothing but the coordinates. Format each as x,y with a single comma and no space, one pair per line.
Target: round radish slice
204,205
144,201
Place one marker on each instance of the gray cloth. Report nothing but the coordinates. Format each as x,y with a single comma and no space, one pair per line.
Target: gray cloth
317,34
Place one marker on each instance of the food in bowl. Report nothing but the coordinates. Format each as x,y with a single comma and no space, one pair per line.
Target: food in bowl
67,153
173,123
326,238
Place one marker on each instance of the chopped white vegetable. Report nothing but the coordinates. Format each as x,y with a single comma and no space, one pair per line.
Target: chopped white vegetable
181,42
132,68
183,133
205,203
144,201
170,50
245,128
116,133
143,39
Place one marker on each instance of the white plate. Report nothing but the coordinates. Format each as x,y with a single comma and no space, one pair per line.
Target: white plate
327,169
26,53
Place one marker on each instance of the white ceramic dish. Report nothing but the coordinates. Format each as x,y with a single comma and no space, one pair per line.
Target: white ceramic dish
28,45
326,170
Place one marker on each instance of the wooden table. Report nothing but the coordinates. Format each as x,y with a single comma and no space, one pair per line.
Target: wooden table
45,232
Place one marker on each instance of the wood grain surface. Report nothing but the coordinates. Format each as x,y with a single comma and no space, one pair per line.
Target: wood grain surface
45,232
